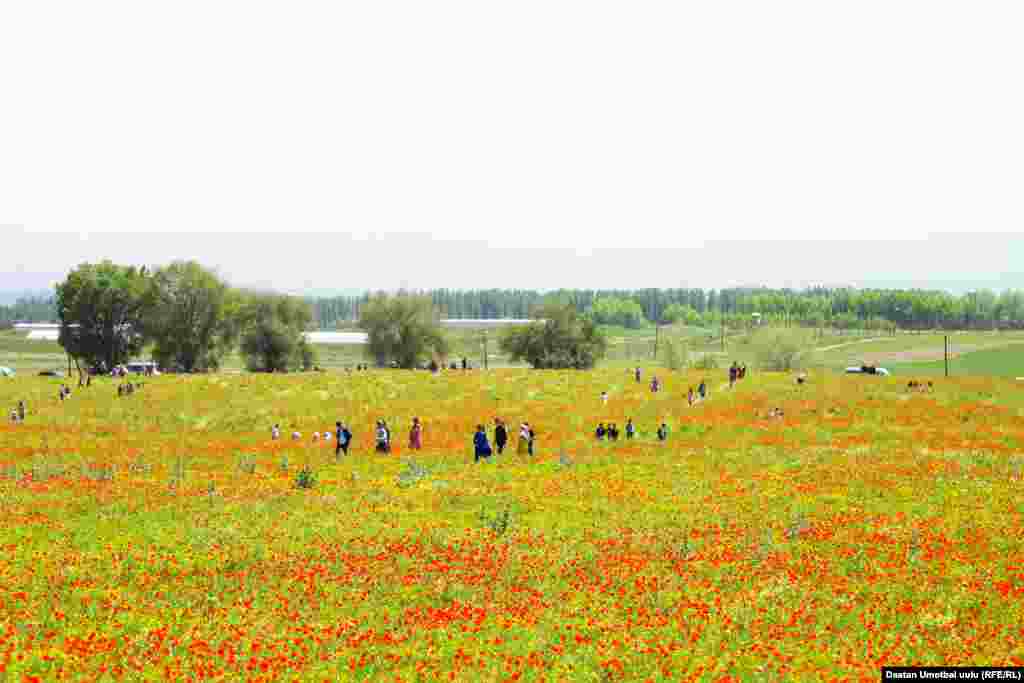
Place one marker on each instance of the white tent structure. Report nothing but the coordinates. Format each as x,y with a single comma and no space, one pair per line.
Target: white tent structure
6,372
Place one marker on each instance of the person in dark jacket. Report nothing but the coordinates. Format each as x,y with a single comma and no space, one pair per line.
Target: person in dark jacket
662,432
347,439
500,435
630,429
481,449
600,431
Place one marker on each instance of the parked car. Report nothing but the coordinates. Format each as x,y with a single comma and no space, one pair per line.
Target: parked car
866,370
142,368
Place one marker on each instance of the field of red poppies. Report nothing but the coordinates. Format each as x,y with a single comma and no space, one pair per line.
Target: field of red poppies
162,535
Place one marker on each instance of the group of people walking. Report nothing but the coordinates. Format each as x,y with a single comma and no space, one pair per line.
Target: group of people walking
482,448
702,393
611,432
481,444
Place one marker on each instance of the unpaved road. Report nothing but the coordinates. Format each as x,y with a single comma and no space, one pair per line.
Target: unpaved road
839,346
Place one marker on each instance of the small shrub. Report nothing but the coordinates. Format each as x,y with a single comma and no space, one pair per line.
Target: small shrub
781,351
412,475
305,479
101,473
247,464
178,473
499,523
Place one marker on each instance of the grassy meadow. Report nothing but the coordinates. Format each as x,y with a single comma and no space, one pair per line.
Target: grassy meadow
161,536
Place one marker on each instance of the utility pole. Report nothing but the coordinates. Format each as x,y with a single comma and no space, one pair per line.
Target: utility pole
656,328
485,349
946,353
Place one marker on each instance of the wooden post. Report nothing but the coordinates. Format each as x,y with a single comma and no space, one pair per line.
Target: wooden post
656,328
946,353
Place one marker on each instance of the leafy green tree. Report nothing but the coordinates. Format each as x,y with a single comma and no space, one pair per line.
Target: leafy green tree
192,317
616,311
274,339
562,338
681,313
403,328
781,350
101,309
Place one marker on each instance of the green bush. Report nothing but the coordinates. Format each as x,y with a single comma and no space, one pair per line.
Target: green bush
305,479
781,350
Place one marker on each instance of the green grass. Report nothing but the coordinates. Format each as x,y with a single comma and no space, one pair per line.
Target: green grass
628,348
1006,361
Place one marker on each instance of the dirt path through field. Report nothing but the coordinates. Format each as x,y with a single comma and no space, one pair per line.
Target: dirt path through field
839,346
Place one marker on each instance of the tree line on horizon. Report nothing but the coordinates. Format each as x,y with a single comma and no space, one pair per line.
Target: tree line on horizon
842,308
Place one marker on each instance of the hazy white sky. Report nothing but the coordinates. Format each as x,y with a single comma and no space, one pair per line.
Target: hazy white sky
434,143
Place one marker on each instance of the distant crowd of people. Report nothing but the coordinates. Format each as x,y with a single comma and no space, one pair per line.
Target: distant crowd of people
432,366
481,442
382,433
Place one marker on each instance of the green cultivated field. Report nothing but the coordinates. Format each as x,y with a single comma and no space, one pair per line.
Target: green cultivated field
1007,361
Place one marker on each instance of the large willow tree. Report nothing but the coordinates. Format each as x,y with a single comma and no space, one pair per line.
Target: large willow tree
402,328
560,338
101,307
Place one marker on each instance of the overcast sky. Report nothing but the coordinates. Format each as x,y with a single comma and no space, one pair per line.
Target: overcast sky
518,144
